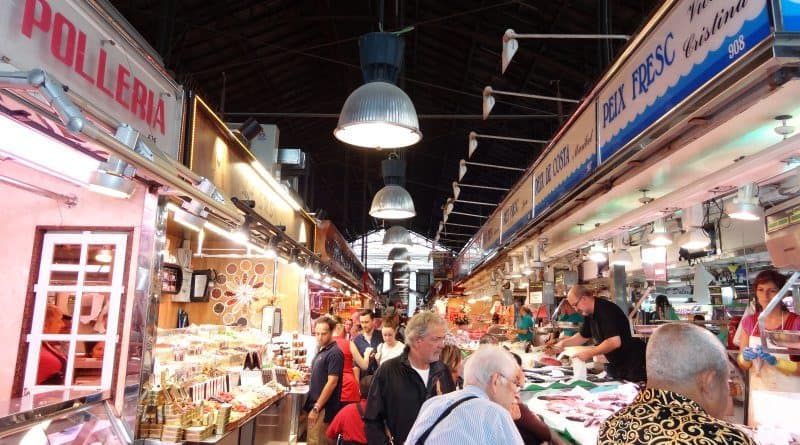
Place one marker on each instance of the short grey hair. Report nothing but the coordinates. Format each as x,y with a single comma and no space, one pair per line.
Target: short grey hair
581,291
678,352
419,325
487,360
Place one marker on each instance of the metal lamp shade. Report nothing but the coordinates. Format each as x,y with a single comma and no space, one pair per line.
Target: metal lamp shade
111,184
396,236
378,115
392,202
399,255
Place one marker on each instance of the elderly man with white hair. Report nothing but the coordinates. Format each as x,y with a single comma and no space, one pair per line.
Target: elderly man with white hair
479,413
687,391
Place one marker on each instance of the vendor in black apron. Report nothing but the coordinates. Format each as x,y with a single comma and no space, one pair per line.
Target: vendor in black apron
606,323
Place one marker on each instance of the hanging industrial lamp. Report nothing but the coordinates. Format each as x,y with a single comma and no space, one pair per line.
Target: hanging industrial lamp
393,201
695,237
399,255
745,205
397,236
379,114
660,235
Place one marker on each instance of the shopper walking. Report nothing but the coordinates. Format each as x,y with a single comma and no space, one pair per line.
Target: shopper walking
391,346
350,391
402,384
325,385
478,414
365,344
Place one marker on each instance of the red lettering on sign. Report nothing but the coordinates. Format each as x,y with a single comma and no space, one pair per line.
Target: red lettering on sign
101,73
149,106
57,42
158,122
80,58
139,100
29,17
71,46
122,85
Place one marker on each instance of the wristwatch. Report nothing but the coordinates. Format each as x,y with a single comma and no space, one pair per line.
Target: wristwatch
315,409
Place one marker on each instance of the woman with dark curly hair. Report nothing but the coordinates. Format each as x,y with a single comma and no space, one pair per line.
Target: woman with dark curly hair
771,372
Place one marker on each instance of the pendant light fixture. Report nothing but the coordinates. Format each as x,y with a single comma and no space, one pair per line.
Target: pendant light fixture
660,236
515,270
694,238
598,252
399,255
621,256
745,205
397,236
379,114
393,201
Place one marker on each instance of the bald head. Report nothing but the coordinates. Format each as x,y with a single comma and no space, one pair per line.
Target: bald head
580,290
689,360
581,299
676,352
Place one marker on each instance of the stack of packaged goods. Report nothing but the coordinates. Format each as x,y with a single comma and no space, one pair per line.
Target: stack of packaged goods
197,390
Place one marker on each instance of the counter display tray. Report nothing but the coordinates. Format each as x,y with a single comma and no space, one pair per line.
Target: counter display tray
785,339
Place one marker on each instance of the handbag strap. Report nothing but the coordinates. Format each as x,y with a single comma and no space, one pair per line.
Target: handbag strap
424,436
360,409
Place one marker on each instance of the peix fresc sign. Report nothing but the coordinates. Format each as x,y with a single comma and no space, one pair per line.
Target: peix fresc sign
69,40
696,41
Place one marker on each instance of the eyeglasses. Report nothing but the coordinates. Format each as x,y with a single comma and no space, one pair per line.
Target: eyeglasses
517,386
577,301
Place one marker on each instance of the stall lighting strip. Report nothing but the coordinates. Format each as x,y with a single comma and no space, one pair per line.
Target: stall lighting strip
234,237
161,169
738,172
254,163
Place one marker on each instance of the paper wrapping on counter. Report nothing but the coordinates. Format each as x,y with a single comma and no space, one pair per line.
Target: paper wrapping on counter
702,278
578,369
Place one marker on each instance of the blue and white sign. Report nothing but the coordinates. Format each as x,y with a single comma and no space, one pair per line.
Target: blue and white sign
567,162
697,40
790,11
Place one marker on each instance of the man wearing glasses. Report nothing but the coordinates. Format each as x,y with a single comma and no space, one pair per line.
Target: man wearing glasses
479,413
403,383
607,325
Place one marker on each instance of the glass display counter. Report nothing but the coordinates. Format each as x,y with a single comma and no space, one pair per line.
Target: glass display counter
57,420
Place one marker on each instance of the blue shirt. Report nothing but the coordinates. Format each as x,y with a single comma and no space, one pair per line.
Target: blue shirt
476,421
362,344
328,361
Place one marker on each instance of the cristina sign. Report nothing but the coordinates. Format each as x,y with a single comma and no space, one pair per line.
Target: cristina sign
697,40
567,162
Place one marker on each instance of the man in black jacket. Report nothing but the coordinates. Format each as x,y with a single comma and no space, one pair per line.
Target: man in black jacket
401,385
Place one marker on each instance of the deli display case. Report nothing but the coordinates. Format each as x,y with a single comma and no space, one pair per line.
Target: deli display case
59,417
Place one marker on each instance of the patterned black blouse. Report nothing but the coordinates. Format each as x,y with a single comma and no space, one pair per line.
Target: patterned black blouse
664,417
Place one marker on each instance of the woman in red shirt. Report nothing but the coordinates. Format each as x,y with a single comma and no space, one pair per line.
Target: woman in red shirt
52,362
350,391
348,421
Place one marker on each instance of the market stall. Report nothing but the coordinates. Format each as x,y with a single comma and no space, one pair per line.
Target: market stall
239,298
85,155
655,198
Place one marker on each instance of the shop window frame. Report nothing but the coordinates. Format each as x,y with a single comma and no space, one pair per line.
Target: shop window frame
25,340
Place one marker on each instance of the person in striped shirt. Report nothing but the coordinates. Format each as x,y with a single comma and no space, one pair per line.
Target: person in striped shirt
481,413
